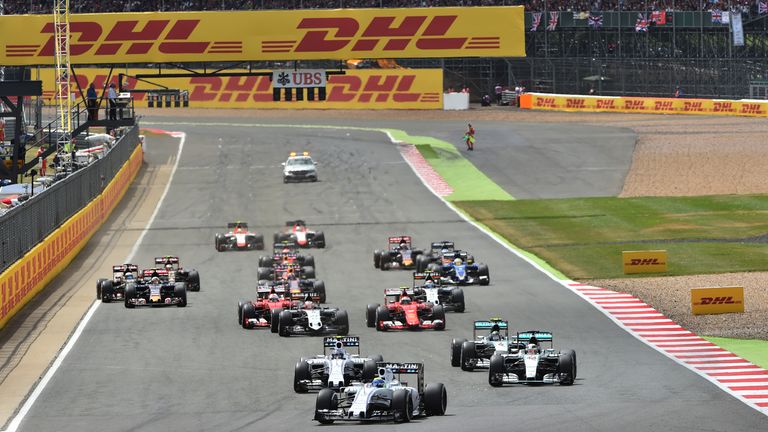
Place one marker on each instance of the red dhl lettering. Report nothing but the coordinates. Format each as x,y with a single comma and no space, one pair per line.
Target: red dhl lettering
664,106
606,104
547,102
575,103
634,105
723,107
717,300
693,106
645,261
334,34
752,108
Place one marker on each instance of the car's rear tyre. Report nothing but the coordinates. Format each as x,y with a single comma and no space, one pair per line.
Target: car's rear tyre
420,263
264,273
402,406
259,241
274,320
376,258
218,242
566,367
327,399
370,315
193,280
318,286
308,272
482,270
240,304
378,358
265,261
384,260
301,373
382,314
180,292
309,260
107,291
369,370
468,353
319,239
342,321
456,351
285,320
496,371
435,399
130,294
457,298
573,355
438,313
434,267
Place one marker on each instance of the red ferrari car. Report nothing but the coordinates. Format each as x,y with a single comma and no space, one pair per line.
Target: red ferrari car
401,311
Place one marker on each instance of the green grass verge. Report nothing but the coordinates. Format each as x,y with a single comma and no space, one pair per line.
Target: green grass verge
584,237
755,351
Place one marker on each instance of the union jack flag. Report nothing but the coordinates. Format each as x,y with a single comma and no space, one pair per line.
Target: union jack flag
553,17
595,21
717,16
762,7
536,21
641,25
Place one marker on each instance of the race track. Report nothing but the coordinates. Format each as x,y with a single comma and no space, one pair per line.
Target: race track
195,369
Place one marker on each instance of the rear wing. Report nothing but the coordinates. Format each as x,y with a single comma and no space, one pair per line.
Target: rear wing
541,336
284,244
345,341
125,268
298,295
427,275
387,368
167,260
298,222
159,271
399,239
487,326
442,245
233,225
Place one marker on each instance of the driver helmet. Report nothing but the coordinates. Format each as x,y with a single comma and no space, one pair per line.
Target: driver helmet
403,245
532,349
405,300
338,353
429,283
457,261
169,266
494,336
274,298
378,382
129,276
155,280
309,304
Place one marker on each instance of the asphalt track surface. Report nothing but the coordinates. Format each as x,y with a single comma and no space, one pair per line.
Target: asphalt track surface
195,369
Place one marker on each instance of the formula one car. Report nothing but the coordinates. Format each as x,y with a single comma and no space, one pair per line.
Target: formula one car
489,337
399,254
533,364
285,271
263,312
114,289
299,168
459,272
433,291
295,285
336,368
386,398
238,237
312,320
297,231
434,255
283,253
402,311
191,278
155,290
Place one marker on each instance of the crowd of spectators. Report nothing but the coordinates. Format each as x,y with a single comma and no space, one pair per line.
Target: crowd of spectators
13,7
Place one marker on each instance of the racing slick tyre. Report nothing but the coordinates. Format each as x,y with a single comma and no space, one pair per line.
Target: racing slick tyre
376,258
496,371
435,399
382,314
457,298
274,320
402,406
573,356
130,294
327,399
421,263
180,292
456,351
259,242
434,267
384,261
318,286
467,354
566,367
438,313
266,261
370,315
107,291
248,313
284,320
482,270
218,242
378,358
98,288
319,239
369,370
301,373
240,304
264,273
342,321
308,272
276,238
193,280
309,260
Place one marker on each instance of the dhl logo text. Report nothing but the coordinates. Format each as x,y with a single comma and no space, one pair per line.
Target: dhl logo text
634,105
752,108
645,261
664,106
547,102
388,33
723,107
130,37
575,103
693,106
606,104
717,301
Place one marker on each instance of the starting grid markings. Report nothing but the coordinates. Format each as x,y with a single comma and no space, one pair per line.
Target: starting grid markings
747,381
424,170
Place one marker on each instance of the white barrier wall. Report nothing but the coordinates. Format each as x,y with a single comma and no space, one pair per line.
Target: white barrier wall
455,101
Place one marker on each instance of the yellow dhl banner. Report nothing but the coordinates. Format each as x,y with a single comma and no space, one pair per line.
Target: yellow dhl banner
717,300
358,89
653,261
543,101
331,34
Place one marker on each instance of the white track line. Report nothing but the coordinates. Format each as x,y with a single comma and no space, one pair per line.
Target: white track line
13,426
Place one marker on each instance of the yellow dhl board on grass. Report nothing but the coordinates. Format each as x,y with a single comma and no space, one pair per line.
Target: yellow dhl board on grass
329,34
357,89
652,261
717,300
